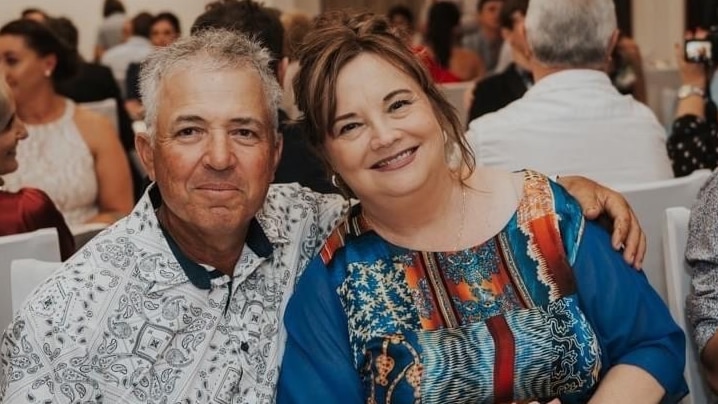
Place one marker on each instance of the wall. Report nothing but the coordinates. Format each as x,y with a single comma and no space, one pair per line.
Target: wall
657,24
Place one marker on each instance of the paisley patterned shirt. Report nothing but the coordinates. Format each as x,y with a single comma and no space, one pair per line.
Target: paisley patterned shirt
129,318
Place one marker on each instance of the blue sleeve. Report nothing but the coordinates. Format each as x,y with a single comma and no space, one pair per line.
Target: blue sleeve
633,324
317,365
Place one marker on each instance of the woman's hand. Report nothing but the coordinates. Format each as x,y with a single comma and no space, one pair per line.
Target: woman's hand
597,202
693,74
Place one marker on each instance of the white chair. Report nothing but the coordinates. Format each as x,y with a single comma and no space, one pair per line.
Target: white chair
41,244
82,233
678,279
456,94
106,108
25,275
649,201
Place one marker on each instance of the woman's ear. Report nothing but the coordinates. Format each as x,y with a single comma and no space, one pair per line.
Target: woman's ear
49,63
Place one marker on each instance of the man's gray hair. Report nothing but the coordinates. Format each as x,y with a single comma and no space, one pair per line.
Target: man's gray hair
570,33
207,50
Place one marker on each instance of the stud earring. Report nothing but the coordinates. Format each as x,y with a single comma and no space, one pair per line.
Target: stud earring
48,73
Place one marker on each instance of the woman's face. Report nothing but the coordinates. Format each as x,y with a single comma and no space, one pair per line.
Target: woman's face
163,33
25,70
11,133
385,140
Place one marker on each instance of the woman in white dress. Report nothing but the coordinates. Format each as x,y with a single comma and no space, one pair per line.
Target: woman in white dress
72,154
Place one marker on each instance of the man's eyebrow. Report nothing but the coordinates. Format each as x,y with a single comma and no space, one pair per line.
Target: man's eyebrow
247,121
189,119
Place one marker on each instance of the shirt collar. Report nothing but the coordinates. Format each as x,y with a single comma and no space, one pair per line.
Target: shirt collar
199,275
571,78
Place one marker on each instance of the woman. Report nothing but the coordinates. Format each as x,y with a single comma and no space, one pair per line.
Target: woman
72,154
693,141
446,60
165,29
450,282
28,209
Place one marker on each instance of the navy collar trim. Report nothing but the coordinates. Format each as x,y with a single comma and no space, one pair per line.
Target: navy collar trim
197,274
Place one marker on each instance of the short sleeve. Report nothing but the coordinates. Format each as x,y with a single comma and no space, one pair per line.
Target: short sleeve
633,324
317,365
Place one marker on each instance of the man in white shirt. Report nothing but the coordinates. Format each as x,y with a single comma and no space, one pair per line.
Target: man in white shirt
134,50
573,120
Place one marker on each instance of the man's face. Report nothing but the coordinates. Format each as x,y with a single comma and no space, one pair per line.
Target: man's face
215,151
488,15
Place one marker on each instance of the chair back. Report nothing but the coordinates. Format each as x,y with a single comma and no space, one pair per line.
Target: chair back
82,233
457,95
649,201
678,279
25,275
106,108
41,244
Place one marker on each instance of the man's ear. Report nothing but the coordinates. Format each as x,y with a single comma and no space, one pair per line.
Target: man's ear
146,153
278,146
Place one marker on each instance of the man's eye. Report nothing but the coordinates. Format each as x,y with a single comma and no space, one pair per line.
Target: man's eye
187,132
244,133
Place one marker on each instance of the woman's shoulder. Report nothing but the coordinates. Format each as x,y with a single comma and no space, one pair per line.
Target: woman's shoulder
93,127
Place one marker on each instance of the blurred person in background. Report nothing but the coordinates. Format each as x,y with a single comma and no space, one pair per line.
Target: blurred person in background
34,14
402,20
693,140
110,33
94,82
503,88
573,120
486,41
72,154
164,30
28,209
134,50
442,54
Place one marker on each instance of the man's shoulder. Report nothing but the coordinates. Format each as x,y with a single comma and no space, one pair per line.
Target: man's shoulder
293,196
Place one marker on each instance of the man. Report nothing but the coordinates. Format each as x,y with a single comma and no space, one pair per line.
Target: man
298,163
184,297
486,41
573,120
134,50
501,89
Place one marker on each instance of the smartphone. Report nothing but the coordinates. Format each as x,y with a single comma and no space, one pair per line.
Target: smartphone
698,50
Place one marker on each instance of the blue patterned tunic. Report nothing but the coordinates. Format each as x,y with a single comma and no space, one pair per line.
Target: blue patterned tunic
540,310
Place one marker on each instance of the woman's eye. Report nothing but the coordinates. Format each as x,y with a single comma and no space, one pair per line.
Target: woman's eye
398,104
348,127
